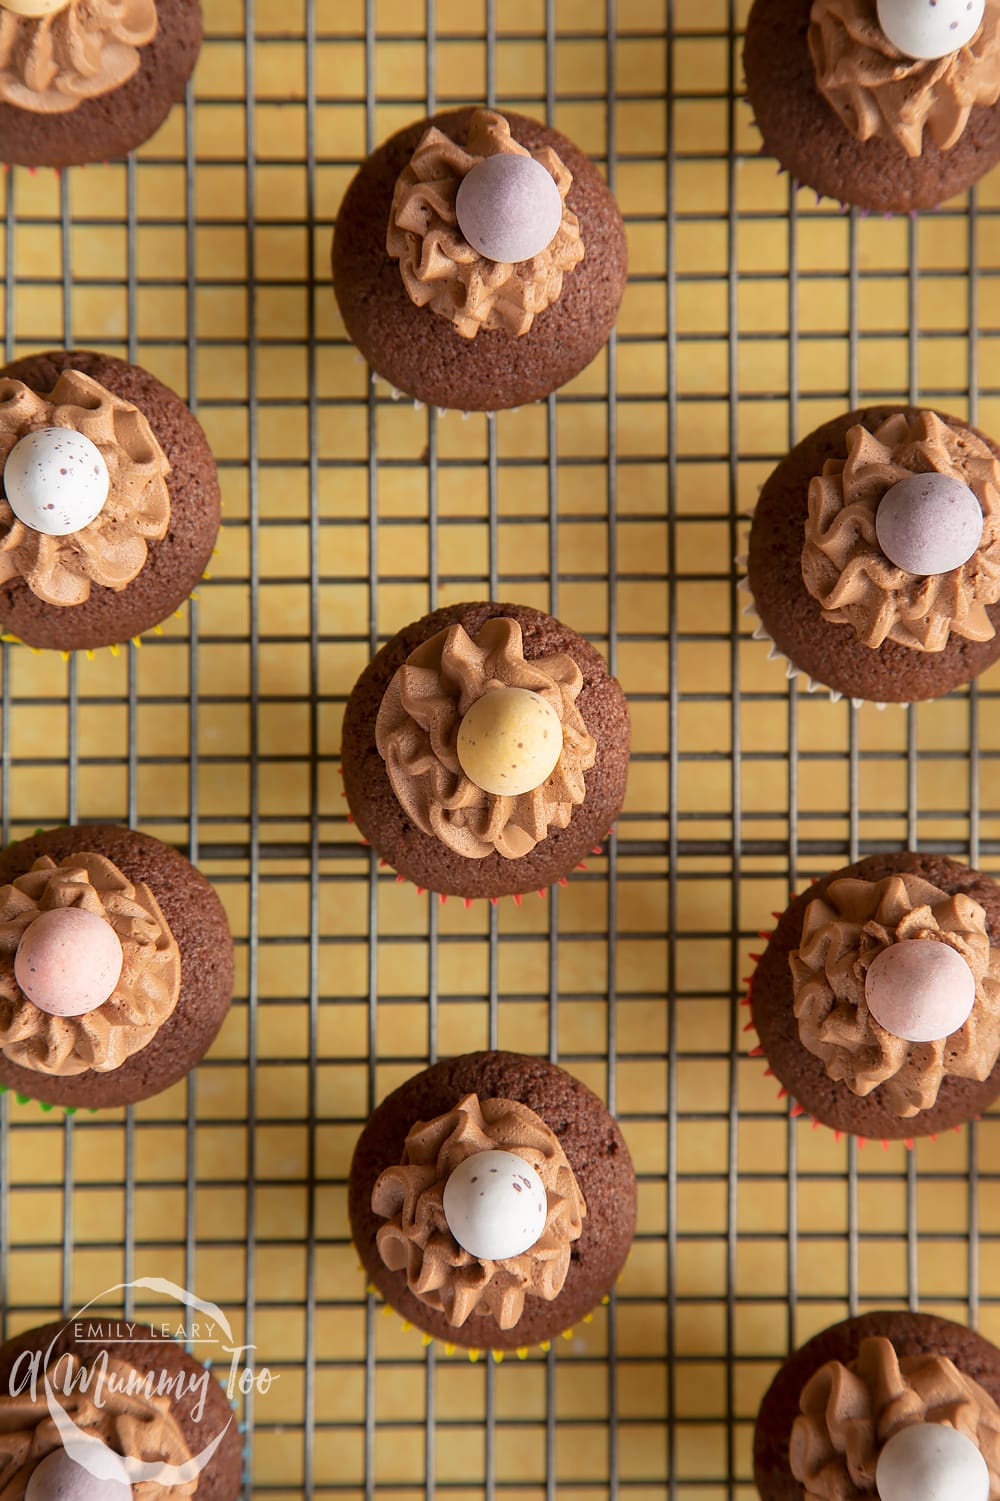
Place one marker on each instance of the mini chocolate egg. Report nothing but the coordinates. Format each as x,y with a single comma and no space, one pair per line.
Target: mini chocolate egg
929,523
931,1462
930,28
33,9
68,961
920,989
495,1205
55,480
60,1478
508,207
509,741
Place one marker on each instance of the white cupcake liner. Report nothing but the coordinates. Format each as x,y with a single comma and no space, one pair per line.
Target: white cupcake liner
761,633
419,406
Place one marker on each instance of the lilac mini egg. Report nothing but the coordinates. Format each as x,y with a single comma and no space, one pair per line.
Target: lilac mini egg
929,523
60,1478
508,207
68,961
56,481
930,28
495,1205
920,990
931,1462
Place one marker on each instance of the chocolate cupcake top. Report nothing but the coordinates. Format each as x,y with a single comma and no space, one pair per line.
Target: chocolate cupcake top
482,1211
482,234
89,969
83,489
484,750
850,1414
897,987
845,566
54,54
112,1404
879,89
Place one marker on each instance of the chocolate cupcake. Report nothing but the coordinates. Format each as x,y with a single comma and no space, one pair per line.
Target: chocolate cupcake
109,500
485,751
89,80
116,966
891,1405
877,999
874,558
479,260
139,1417
492,1201
886,104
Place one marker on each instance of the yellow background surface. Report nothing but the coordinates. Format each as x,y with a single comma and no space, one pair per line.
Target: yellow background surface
751,315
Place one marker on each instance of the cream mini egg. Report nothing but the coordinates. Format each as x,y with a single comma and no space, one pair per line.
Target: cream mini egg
33,10
509,741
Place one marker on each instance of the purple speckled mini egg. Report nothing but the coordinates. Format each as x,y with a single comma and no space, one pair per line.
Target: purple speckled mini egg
930,28
508,207
929,523
495,1205
56,481
60,1478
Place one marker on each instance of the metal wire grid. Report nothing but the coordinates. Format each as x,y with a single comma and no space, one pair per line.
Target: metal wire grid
749,315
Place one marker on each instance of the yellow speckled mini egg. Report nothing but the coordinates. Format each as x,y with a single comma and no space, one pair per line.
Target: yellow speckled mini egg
509,741
33,9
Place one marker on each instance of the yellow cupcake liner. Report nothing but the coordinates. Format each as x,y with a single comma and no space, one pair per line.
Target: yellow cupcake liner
473,1353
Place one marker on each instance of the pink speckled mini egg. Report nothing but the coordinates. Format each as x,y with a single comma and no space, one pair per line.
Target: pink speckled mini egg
920,989
68,961
495,1205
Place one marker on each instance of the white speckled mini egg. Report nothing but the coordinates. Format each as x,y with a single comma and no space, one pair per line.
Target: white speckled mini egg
56,481
60,1478
931,1462
930,28
495,1205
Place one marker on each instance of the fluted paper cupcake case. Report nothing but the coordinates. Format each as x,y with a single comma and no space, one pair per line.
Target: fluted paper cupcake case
775,654
475,1353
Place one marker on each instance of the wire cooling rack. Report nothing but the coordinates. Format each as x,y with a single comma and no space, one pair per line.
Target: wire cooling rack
751,316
